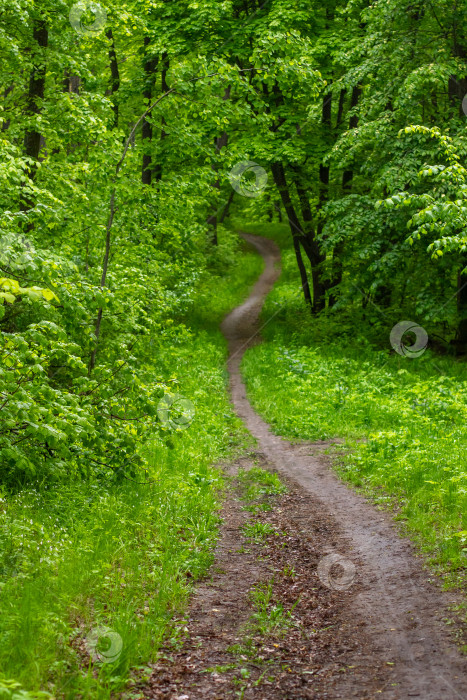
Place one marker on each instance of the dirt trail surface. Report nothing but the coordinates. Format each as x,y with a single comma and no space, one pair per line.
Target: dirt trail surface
362,618
400,609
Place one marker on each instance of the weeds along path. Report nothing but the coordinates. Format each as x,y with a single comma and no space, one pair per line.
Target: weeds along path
393,602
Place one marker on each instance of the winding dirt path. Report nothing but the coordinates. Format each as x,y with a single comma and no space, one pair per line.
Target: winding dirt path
398,608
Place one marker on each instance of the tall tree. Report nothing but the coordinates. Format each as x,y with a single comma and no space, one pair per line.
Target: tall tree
35,96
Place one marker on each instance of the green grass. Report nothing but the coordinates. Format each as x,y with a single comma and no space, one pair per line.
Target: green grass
258,482
114,553
258,487
403,421
269,618
258,532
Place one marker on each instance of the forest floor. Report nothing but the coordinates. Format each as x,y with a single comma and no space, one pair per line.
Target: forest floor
313,593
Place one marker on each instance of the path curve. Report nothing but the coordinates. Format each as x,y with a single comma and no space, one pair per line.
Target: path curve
401,610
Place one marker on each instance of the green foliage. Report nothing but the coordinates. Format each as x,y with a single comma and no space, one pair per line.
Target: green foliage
123,552
11,690
441,211
111,289
260,482
269,618
258,531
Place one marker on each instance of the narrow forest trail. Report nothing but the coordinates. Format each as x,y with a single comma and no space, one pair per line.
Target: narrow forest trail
400,610
375,632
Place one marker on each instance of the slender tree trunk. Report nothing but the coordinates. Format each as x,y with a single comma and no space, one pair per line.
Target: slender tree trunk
115,76
324,170
108,235
294,223
150,67
340,109
461,335
226,209
311,247
71,83
105,267
219,142
32,137
157,171
347,177
457,89
6,123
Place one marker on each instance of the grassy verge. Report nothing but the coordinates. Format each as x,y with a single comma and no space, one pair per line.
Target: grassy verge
91,573
403,420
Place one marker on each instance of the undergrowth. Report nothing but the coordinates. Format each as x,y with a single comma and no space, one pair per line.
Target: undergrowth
110,558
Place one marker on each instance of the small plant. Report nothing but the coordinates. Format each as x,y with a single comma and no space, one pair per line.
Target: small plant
260,483
258,507
289,572
220,669
245,649
269,618
258,531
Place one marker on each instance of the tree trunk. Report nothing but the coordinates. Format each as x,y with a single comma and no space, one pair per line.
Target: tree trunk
353,123
32,137
71,83
347,177
461,335
157,171
6,122
115,76
340,110
150,67
225,211
326,114
108,239
219,142
311,247
457,88
296,230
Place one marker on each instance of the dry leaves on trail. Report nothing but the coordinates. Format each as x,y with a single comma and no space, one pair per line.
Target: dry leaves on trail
312,652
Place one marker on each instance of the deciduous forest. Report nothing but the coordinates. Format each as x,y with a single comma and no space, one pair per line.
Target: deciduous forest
233,299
